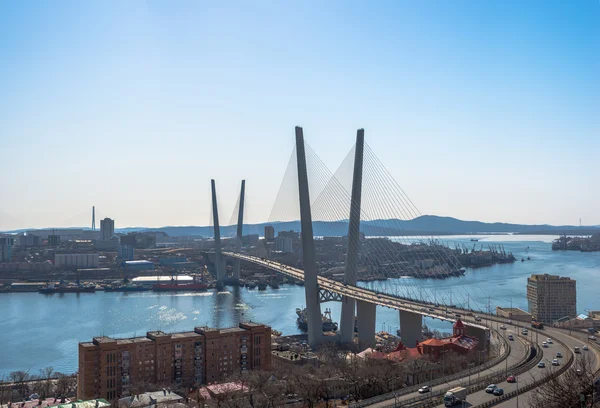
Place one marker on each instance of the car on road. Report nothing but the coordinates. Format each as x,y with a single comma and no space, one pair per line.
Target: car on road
585,347
498,391
524,332
511,379
579,372
555,362
503,327
545,345
558,354
477,318
431,309
458,316
469,314
425,389
576,350
490,388
541,364
549,340
510,337
592,338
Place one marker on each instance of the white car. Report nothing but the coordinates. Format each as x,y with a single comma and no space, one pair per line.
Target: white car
549,340
585,347
555,362
503,327
425,389
545,345
490,388
592,338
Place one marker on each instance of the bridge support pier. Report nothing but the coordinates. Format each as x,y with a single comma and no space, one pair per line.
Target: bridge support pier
347,316
238,239
220,271
366,314
411,328
311,285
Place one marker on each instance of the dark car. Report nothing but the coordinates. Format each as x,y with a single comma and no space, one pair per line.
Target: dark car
498,391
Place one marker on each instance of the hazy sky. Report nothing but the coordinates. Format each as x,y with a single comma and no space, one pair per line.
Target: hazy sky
486,110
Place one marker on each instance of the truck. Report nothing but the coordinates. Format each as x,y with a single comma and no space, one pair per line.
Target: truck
455,395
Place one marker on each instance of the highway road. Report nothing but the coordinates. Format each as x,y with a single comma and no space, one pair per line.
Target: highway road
448,314
519,351
576,339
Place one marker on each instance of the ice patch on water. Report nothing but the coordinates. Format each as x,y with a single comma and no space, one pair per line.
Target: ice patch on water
195,311
162,308
152,307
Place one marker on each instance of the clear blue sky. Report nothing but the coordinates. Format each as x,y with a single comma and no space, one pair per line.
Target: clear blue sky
485,110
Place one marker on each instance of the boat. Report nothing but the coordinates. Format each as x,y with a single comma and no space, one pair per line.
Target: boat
67,288
126,288
328,323
522,260
175,286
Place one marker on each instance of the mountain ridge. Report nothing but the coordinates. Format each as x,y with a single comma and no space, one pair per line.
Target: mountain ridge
423,225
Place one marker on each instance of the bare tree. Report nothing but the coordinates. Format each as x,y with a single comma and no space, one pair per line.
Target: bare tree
5,390
19,379
568,389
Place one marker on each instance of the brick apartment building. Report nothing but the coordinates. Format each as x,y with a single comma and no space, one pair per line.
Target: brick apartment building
109,368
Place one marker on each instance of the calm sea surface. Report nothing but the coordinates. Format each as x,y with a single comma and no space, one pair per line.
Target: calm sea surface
37,330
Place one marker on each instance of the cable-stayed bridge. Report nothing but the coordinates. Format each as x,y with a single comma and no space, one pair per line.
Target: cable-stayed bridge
360,190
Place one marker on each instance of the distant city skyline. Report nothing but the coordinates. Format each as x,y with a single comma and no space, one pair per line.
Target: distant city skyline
480,111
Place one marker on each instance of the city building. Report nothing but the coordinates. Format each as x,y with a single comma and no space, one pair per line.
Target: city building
288,359
107,229
6,244
125,252
269,233
108,367
77,260
513,313
581,321
284,244
551,297
142,240
28,240
156,399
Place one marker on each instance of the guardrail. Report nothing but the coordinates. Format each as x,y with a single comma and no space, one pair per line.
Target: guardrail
433,400
531,385
462,374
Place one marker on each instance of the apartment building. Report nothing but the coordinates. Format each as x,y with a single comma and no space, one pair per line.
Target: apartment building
551,297
113,368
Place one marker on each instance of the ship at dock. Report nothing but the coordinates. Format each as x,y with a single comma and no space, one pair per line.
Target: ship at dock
175,286
328,323
64,287
126,288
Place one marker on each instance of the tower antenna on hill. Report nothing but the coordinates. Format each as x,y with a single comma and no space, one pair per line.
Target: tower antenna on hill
93,218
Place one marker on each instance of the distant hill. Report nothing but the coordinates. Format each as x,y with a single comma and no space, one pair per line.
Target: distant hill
423,225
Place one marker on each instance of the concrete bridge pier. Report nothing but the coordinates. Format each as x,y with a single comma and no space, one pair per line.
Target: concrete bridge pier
311,284
348,304
365,316
411,328
217,232
238,237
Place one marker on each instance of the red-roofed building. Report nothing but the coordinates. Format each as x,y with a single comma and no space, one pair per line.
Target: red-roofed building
459,342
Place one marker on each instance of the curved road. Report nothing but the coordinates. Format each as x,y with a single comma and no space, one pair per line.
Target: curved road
447,314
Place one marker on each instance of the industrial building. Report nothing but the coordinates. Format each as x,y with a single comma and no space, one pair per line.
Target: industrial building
551,297
109,367
77,260
153,280
141,265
